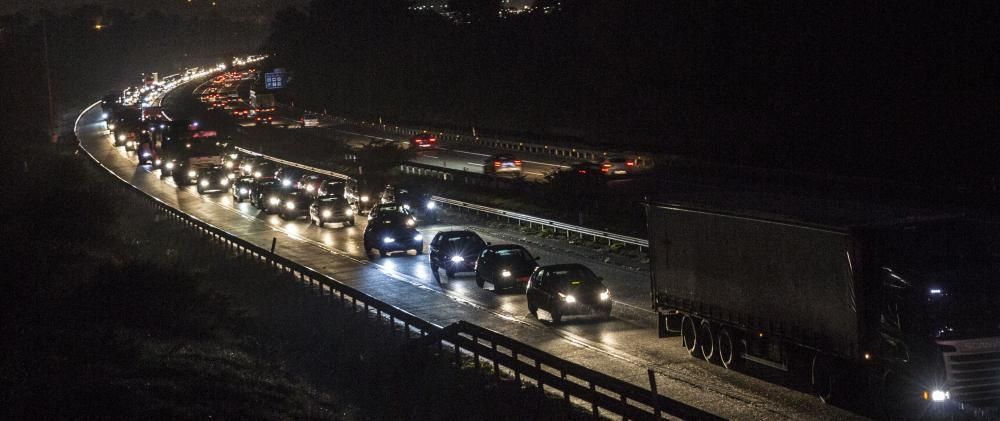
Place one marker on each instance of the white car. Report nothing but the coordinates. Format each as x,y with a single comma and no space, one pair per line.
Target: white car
309,120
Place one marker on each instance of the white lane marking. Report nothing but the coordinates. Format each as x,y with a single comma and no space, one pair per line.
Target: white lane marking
364,135
473,163
535,173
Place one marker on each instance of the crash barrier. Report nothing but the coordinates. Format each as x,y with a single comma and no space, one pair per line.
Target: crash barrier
296,165
556,226
645,161
509,358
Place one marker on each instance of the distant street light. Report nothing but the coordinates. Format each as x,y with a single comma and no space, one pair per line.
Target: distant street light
98,26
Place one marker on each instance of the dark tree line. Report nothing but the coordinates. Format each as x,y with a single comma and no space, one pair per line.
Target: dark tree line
858,88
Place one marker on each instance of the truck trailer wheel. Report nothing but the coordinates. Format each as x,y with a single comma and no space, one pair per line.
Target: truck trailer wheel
706,342
824,378
689,335
730,348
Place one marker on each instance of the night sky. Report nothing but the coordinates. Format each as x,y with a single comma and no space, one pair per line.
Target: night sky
232,8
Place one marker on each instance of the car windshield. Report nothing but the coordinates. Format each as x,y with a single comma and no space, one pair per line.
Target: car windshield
464,240
573,277
513,254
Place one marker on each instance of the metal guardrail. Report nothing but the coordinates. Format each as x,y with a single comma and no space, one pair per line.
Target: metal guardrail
296,165
508,357
510,215
641,243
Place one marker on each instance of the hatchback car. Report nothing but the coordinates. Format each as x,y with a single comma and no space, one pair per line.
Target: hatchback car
294,204
393,232
331,209
241,188
569,289
309,120
455,251
423,141
502,164
505,266
617,166
213,178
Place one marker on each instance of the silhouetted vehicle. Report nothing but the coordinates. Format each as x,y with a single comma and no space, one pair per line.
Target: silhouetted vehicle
423,141
264,119
420,204
213,178
569,289
331,209
502,164
391,229
294,204
310,184
242,187
506,266
617,166
587,169
455,251
289,176
309,120
263,168
266,195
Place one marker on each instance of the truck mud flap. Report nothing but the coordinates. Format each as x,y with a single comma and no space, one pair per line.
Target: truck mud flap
668,324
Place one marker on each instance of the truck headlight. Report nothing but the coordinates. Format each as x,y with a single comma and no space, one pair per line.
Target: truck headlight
505,273
431,205
937,395
388,240
121,137
349,212
569,298
229,164
274,201
457,259
326,213
192,174
605,295
169,165
244,191
257,174
204,183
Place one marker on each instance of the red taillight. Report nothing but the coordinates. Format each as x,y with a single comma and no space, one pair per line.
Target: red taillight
630,163
419,141
517,162
496,164
581,171
432,140
605,167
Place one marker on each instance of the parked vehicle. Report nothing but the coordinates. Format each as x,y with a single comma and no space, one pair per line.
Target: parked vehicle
904,303
568,289
505,266
455,251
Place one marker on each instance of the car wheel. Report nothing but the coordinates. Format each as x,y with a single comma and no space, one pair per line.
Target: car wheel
201,190
383,253
319,223
480,282
556,315
420,249
533,309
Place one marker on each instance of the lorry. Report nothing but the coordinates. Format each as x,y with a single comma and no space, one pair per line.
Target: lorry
185,149
263,103
903,304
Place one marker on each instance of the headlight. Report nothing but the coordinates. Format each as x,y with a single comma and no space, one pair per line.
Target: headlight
157,162
606,295
145,154
224,181
309,187
111,126
257,174
505,273
121,137
405,206
244,191
410,222
130,143
349,212
247,167
192,174
937,395
431,205
204,183
104,116
569,299
169,165
286,182
418,237
326,213
231,176
457,259
229,164
290,205
364,198
274,201
388,240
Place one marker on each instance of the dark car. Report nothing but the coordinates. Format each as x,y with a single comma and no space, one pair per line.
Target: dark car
420,204
423,141
310,183
455,251
268,195
331,209
333,188
242,187
505,266
289,176
392,232
264,119
263,168
570,289
294,204
213,178
587,169
391,209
